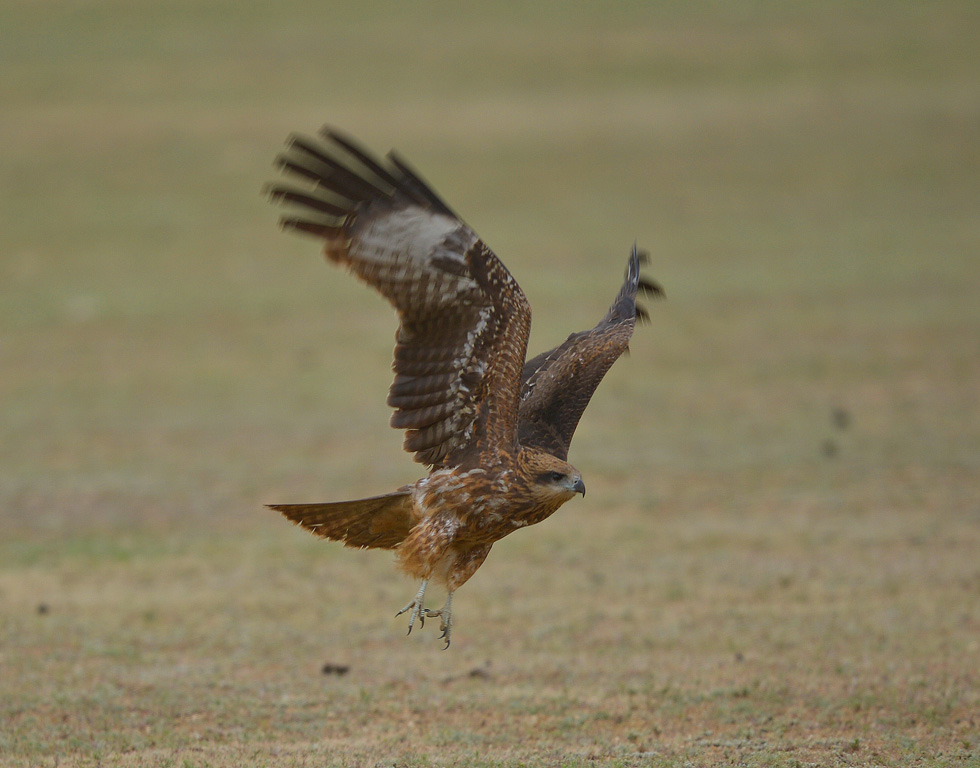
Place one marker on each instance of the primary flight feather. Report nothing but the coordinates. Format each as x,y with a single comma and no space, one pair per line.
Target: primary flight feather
493,429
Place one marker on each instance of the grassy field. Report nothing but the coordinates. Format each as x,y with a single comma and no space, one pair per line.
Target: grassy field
778,562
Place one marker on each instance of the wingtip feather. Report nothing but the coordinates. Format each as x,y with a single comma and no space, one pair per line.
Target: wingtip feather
289,196
309,227
651,288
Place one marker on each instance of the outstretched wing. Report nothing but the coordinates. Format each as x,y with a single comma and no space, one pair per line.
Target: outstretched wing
556,386
464,320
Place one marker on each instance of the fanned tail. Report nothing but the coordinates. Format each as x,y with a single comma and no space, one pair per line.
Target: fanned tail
379,522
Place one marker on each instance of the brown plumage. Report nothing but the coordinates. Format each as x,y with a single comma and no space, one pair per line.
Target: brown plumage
493,429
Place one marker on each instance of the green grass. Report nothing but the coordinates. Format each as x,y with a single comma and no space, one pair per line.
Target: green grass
747,581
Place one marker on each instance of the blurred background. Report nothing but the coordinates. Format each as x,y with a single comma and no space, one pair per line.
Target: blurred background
796,433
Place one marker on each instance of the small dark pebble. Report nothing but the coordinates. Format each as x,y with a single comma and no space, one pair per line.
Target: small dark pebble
477,673
43,609
335,669
841,418
739,656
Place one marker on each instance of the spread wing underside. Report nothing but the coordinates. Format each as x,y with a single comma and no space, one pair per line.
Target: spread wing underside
463,319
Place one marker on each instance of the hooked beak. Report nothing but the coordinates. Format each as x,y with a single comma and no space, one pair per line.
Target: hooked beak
579,486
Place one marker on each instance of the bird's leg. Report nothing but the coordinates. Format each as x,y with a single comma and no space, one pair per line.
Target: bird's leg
416,607
446,622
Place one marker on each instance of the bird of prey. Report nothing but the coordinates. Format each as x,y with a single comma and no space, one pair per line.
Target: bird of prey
492,428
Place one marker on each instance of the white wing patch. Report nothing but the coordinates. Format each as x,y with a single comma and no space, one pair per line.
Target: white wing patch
407,246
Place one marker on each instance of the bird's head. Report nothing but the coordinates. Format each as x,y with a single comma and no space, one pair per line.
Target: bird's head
552,479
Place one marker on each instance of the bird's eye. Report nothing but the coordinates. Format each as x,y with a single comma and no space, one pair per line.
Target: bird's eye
548,478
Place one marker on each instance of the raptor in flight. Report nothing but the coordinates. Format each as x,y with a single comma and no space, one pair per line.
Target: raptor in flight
492,428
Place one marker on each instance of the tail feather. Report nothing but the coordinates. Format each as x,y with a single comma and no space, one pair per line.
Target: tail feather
380,522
